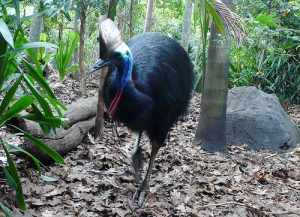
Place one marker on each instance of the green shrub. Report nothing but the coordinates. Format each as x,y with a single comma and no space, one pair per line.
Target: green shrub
64,54
19,80
270,58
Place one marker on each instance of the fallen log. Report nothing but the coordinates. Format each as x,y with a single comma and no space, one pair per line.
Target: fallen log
81,119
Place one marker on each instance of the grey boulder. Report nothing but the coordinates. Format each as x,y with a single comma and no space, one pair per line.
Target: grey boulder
257,119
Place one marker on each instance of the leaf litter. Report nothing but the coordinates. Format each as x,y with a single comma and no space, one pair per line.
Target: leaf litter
97,179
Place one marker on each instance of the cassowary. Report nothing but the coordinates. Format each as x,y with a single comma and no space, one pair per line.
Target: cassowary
147,88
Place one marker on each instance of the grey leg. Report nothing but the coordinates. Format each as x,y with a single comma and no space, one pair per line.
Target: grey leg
137,157
143,190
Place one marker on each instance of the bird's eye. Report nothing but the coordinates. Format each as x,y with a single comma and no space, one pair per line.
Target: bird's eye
116,55
127,52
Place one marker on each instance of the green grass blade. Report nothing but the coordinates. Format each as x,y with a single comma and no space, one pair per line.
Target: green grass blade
39,79
42,146
9,95
11,181
6,33
45,128
16,108
15,149
46,120
45,148
13,172
55,103
5,210
17,9
31,45
44,104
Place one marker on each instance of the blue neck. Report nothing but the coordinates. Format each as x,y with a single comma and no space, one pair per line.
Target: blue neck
124,73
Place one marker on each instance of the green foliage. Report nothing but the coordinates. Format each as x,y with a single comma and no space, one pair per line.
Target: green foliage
22,86
5,210
270,58
42,57
52,8
13,178
267,20
64,54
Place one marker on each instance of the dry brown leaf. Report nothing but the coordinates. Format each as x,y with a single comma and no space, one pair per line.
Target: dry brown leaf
54,192
99,182
151,198
175,197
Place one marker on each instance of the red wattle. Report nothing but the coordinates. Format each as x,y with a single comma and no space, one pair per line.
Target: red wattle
114,104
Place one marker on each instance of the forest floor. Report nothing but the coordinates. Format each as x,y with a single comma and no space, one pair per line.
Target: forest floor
97,179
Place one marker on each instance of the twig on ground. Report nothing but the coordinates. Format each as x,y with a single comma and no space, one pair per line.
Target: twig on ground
223,204
271,155
285,213
246,205
171,188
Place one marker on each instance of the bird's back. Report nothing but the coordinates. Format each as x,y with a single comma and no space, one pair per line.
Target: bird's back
163,72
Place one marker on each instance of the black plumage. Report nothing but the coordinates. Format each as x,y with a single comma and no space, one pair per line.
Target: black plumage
150,97
160,89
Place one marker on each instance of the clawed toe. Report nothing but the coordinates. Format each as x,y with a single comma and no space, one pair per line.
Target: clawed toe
139,197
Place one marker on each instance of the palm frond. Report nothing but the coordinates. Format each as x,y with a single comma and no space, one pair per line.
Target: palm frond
232,22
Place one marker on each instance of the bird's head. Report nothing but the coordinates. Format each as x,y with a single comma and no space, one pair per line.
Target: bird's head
120,57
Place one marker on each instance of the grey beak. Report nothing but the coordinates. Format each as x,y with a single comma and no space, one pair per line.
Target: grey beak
102,63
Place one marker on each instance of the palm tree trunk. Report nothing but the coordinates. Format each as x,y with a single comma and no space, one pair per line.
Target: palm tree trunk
187,25
36,26
211,130
149,15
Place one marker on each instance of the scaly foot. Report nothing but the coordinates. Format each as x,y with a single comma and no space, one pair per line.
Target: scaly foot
137,162
139,197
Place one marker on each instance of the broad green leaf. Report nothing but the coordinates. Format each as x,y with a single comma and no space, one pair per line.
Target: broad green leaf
5,210
42,146
13,172
16,108
9,95
6,33
51,121
36,62
67,5
55,102
67,15
30,45
37,45
16,4
39,79
12,183
45,148
45,128
3,60
14,149
267,20
44,104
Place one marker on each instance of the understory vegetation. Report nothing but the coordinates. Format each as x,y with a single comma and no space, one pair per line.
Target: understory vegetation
36,35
